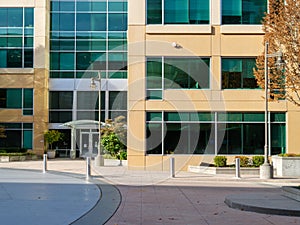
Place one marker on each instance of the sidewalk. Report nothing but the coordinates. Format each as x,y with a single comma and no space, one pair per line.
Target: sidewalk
154,198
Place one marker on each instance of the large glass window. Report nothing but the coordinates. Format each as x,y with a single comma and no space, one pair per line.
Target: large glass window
243,11
194,133
238,73
18,135
16,98
86,37
61,105
16,37
176,73
178,12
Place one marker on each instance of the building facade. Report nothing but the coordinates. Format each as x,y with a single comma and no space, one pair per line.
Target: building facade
49,51
194,61
179,71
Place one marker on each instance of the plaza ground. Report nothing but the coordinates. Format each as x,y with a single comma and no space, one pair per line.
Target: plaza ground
115,195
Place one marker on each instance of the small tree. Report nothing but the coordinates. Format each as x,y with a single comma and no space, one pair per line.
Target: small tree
52,136
282,31
112,144
114,137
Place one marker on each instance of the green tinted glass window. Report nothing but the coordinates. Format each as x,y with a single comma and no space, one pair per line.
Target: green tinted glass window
278,117
14,98
117,6
243,11
189,73
66,61
84,6
116,75
278,138
28,42
66,6
258,117
154,94
205,116
154,116
17,26
60,99
176,116
14,42
14,58
178,11
3,56
233,117
27,126
117,21
98,6
4,18
154,73
238,73
28,58
15,17
66,21
3,42
117,100
27,139
153,137
117,45
29,17
28,98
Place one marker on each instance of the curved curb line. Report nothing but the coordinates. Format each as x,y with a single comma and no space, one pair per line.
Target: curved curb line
104,209
260,209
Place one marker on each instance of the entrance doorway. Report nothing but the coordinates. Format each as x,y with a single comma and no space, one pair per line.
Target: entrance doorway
88,143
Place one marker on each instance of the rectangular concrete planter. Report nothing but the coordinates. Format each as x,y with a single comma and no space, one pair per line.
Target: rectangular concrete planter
286,166
222,170
17,158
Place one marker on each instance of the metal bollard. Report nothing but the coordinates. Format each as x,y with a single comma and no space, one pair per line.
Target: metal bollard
237,168
44,163
172,167
88,168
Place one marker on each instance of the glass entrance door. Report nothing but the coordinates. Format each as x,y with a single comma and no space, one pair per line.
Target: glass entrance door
88,144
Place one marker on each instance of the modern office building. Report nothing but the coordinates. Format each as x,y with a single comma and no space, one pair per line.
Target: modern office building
180,71
191,90
49,51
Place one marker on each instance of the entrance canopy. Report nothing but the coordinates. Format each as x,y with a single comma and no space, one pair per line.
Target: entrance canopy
81,125
84,124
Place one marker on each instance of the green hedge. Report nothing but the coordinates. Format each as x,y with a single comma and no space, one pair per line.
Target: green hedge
220,161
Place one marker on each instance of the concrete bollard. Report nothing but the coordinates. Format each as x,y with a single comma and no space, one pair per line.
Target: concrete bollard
88,168
44,163
172,167
237,168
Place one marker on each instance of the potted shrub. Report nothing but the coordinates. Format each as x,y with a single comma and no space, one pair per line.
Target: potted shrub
52,136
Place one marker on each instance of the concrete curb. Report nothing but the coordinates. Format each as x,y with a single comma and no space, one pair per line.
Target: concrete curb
105,208
264,203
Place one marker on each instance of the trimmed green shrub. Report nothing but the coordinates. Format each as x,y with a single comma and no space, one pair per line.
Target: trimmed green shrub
258,160
289,155
244,161
220,161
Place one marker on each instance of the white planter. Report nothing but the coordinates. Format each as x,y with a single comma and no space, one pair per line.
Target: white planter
51,154
286,166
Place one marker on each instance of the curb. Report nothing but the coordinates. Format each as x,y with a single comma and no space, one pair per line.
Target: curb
263,206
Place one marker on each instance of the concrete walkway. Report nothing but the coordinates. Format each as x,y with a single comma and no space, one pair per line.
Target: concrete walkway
154,198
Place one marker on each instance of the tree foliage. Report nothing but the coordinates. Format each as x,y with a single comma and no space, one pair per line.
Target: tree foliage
114,135
52,136
282,28
2,132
